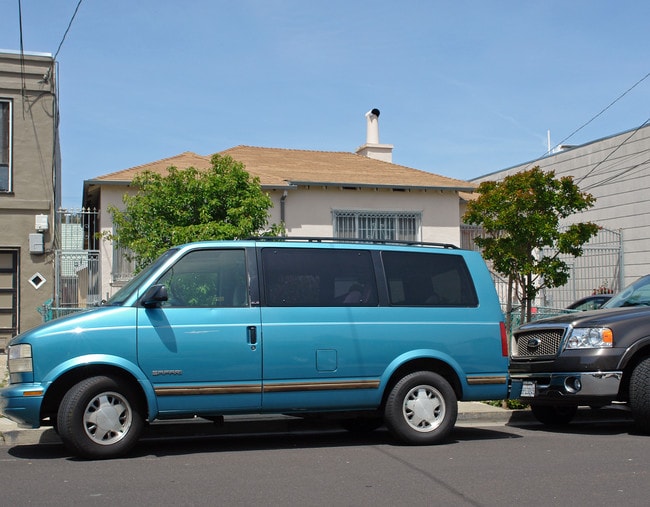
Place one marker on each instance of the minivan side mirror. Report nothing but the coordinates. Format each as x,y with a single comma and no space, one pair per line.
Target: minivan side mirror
155,295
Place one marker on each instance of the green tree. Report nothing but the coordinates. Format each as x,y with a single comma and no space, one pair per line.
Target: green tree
222,202
520,216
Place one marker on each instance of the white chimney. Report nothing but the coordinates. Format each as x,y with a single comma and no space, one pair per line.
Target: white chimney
372,127
372,148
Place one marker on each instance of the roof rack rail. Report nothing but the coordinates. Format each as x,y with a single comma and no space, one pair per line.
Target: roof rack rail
310,239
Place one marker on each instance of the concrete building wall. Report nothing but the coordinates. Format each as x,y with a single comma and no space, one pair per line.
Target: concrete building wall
308,212
616,171
30,89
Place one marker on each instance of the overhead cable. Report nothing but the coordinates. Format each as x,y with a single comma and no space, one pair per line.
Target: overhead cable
67,29
605,109
612,152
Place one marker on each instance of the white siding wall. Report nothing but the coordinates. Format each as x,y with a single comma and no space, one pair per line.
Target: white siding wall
616,171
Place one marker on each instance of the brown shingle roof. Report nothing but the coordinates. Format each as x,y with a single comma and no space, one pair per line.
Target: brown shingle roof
277,167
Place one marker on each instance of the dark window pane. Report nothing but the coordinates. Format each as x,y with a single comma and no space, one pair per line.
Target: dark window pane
318,277
427,279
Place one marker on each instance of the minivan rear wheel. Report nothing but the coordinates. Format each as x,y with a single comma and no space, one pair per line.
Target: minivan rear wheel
421,408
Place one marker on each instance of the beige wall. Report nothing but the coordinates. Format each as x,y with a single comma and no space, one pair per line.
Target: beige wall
36,175
308,212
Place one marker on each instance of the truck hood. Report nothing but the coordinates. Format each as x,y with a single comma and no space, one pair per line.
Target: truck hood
594,318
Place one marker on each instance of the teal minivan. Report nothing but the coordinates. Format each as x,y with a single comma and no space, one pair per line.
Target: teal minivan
367,332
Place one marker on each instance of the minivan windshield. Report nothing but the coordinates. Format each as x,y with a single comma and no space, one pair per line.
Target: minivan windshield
635,294
125,292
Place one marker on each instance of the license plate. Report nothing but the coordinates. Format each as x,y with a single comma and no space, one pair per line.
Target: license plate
528,389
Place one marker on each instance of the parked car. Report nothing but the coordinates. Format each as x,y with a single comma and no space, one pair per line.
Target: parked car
369,333
590,358
592,302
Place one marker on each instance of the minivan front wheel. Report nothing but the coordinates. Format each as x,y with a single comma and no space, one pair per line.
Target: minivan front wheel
421,408
99,418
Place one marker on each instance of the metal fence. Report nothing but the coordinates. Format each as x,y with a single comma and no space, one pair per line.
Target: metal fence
598,270
76,264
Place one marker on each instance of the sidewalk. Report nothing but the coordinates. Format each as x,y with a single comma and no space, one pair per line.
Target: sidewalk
469,412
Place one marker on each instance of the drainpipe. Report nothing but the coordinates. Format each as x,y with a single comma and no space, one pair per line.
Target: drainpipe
283,207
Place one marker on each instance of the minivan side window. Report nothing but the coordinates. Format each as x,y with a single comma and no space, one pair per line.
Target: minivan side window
428,279
207,279
318,277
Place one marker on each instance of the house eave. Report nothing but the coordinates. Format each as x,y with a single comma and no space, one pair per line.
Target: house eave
383,186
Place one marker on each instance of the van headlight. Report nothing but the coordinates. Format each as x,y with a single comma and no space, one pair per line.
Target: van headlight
19,358
590,338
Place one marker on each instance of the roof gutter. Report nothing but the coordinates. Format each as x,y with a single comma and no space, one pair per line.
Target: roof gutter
469,188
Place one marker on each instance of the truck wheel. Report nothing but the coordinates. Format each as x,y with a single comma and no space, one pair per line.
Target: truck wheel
554,415
640,395
99,418
421,409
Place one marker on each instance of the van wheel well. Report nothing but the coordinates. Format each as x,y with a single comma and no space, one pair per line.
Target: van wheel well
64,383
433,365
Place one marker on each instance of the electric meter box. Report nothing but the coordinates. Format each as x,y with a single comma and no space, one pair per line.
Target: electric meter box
36,243
42,223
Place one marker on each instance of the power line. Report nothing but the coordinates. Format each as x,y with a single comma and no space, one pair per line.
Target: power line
605,109
67,29
611,153
550,151
628,171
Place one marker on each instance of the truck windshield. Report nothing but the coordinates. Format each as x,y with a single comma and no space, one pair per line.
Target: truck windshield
635,294
125,292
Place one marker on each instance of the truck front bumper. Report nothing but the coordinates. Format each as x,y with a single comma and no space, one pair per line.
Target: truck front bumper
567,386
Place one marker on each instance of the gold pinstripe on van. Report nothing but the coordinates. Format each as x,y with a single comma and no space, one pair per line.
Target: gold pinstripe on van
279,387
477,381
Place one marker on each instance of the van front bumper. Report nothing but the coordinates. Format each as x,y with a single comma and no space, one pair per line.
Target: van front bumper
572,387
22,404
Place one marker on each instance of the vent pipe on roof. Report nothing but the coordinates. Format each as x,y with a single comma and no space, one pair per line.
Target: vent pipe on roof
372,127
372,148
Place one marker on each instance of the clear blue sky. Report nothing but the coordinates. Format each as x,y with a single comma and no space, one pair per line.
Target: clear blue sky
465,88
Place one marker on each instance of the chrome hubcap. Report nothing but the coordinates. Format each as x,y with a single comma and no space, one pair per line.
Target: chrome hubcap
107,418
424,408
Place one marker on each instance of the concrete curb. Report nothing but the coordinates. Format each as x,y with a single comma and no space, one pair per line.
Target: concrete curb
470,413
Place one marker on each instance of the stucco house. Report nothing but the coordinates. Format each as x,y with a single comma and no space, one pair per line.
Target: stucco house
616,171
30,179
314,193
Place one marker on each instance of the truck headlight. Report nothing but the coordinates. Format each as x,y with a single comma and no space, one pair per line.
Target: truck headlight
19,358
590,338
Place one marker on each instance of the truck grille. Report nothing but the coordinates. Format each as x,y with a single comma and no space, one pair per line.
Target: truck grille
537,343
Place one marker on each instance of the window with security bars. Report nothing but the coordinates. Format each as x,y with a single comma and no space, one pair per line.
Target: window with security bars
377,226
123,262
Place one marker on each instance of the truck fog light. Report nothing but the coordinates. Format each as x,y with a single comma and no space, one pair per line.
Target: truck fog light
573,384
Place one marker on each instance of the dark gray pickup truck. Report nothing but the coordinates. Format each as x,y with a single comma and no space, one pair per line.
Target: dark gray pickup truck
593,358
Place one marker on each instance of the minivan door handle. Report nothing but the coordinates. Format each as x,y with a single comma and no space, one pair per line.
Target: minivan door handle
252,335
